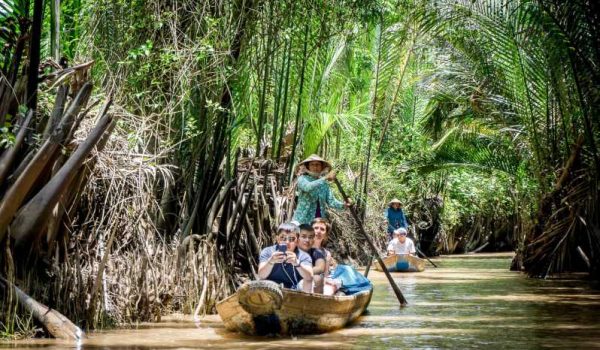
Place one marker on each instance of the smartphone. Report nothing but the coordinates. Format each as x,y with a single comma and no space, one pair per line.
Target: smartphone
282,248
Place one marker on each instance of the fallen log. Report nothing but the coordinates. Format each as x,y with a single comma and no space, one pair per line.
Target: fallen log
57,325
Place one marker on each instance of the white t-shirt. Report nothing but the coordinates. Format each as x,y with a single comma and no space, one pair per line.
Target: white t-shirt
408,247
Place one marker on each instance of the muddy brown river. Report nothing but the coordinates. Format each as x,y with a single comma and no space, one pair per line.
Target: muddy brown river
469,301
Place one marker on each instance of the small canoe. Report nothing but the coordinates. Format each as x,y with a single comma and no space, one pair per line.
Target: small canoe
401,263
264,308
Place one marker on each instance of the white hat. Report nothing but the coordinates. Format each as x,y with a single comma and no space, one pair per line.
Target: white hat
400,231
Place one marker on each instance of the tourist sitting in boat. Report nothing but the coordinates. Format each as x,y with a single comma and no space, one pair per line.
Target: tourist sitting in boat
307,239
401,245
321,227
314,194
394,217
284,263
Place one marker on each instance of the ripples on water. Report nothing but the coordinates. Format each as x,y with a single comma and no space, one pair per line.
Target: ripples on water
468,302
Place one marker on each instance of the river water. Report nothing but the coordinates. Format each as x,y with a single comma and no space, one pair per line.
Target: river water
469,301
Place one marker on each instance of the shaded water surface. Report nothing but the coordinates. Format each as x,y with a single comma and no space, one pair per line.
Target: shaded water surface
467,302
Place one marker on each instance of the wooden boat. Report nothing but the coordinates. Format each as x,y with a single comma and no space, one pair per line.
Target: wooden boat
401,263
264,308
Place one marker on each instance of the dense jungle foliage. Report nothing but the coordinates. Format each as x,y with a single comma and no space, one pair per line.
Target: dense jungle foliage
481,116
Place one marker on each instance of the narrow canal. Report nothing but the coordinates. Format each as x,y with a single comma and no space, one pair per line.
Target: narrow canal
467,302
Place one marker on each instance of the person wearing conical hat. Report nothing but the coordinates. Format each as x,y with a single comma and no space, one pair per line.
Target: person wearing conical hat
394,217
315,197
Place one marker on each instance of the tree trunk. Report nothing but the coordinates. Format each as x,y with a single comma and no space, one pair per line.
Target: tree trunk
34,54
55,30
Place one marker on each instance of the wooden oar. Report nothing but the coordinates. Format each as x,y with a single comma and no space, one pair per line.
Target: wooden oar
368,266
425,256
397,291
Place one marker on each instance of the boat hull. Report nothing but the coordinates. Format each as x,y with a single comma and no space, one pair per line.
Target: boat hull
300,313
401,263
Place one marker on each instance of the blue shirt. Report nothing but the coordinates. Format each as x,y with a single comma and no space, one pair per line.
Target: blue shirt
395,218
284,272
316,254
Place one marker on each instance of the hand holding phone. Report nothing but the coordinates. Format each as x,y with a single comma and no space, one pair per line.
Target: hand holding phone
291,258
278,255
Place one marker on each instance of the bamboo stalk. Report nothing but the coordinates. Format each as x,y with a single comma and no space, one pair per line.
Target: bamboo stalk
363,196
290,163
285,102
55,29
265,86
34,54
277,106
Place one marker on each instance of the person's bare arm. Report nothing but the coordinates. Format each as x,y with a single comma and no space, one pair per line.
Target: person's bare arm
390,249
319,267
305,270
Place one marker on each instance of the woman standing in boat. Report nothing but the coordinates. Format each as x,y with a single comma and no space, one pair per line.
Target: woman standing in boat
394,217
314,194
284,263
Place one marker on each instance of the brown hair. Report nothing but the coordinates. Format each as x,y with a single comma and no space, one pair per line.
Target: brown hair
327,228
322,221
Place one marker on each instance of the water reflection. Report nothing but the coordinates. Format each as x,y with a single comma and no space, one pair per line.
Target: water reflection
468,302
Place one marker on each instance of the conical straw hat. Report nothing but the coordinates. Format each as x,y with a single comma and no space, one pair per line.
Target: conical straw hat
315,158
395,200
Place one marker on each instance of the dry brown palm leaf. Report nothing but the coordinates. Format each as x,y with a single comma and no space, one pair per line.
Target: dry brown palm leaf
7,158
36,212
